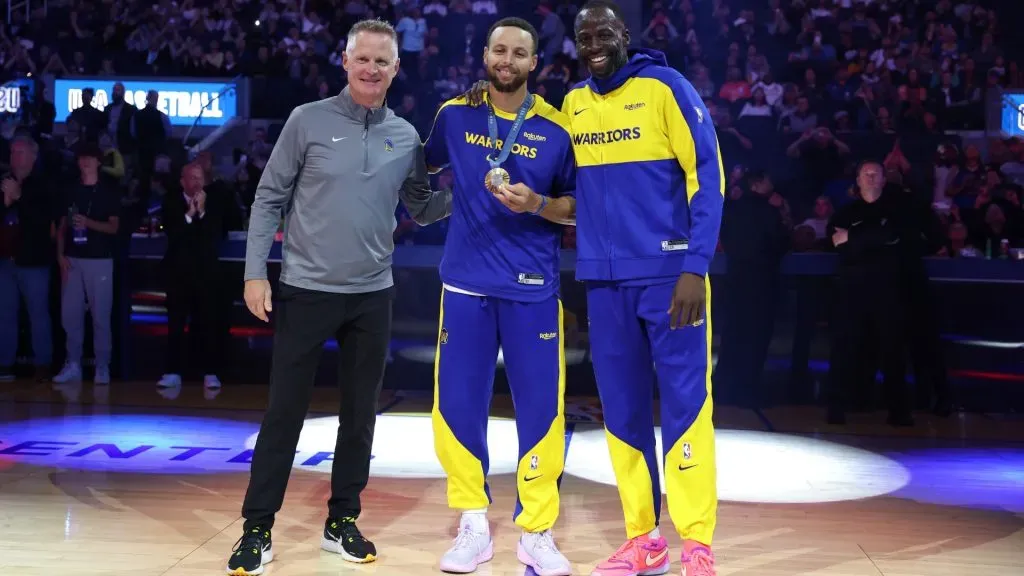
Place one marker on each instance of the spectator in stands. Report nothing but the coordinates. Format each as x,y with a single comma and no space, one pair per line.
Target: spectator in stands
757,106
801,120
773,91
735,87
552,32
755,234
412,30
89,119
151,128
702,82
822,154
733,143
26,244
996,230
556,78
818,221
194,229
957,244
118,117
413,114
85,251
660,34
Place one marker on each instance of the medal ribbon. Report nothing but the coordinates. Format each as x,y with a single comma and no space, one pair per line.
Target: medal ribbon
517,125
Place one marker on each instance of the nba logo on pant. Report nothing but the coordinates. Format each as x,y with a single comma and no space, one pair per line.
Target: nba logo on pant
534,462
686,451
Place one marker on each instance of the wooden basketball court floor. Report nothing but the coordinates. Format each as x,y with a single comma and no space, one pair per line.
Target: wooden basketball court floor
126,479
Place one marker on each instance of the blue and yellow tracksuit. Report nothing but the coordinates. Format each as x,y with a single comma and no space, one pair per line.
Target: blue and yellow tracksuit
650,189
500,275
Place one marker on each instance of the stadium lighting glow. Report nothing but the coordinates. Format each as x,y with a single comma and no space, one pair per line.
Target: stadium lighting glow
403,446
765,467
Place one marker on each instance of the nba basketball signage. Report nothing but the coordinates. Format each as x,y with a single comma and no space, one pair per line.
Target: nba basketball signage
212,103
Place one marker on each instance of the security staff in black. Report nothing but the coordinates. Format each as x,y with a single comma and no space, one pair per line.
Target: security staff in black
871,235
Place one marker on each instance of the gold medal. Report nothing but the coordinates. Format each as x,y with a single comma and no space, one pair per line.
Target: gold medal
495,178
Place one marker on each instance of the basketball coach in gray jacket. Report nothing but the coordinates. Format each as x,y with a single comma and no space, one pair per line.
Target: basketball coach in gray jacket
337,173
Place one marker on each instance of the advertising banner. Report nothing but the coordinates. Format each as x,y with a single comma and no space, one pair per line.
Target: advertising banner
15,94
182,101
1011,115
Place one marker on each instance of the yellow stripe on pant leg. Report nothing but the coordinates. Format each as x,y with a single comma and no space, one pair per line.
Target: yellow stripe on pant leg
538,487
465,472
693,491
636,490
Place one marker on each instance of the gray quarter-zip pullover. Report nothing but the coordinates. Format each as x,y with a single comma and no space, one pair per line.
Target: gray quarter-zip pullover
336,174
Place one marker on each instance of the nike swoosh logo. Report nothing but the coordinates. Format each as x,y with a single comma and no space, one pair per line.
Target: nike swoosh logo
338,139
681,467
580,111
651,561
531,478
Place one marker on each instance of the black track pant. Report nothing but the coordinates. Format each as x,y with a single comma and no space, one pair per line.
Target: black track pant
870,327
304,321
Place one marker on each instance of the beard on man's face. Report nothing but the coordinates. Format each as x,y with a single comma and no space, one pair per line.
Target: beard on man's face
505,86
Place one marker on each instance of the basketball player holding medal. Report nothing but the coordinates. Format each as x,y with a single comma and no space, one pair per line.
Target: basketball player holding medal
500,273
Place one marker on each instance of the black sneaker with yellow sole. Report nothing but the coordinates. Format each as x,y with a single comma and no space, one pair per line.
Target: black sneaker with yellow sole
342,537
251,553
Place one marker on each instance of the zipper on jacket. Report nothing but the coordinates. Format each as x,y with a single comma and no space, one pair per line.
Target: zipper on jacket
366,143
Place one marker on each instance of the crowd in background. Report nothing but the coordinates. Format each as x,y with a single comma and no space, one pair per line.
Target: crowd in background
829,82
801,91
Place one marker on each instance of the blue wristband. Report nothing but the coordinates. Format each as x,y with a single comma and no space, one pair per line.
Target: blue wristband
543,205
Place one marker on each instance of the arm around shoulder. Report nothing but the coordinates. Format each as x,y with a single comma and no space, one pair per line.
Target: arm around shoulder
424,205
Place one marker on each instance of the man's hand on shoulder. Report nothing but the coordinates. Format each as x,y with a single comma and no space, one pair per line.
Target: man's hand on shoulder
688,301
475,95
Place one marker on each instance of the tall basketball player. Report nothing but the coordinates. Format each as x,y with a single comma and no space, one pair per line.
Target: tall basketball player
647,152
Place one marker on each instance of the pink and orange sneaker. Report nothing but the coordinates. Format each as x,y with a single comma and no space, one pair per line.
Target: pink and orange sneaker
697,560
641,556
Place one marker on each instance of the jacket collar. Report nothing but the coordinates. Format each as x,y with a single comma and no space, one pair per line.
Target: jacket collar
358,112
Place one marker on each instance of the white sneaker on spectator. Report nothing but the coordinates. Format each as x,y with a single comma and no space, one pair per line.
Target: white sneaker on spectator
102,375
169,381
71,372
211,381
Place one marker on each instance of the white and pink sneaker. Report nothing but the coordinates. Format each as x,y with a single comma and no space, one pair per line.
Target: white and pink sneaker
472,546
538,550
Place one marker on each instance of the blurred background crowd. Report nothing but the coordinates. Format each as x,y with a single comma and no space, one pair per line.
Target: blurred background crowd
801,91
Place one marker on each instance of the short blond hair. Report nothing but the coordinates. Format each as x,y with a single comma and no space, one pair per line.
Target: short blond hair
371,26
